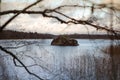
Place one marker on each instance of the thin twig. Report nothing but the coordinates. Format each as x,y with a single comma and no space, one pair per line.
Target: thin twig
16,58
7,22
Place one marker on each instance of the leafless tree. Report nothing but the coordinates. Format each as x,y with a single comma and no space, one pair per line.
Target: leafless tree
69,20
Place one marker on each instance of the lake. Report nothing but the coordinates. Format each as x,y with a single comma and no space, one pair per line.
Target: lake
92,60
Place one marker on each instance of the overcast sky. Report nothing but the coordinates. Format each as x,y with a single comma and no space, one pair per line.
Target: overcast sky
18,0
116,1
40,24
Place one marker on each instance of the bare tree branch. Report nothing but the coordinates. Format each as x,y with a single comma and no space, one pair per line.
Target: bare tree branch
7,22
16,58
45,13
71,20
99,6
18,11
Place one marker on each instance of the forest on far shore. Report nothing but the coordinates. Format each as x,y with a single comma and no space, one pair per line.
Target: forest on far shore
7,34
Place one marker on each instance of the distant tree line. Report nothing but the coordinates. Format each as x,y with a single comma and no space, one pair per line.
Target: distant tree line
47,13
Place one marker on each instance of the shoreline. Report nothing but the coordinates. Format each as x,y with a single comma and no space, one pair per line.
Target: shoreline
7,34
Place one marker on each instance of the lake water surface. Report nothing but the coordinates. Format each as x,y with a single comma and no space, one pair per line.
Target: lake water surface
91,60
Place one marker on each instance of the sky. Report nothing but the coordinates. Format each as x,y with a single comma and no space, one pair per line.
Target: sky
40,24
18,0
107,1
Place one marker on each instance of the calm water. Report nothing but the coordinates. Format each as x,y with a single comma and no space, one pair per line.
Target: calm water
91,60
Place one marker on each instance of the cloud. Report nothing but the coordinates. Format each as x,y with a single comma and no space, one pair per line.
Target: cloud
40,24
26,23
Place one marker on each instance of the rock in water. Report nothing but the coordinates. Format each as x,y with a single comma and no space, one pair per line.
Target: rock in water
64,41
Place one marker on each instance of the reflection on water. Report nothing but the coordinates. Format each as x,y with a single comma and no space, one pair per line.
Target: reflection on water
91,60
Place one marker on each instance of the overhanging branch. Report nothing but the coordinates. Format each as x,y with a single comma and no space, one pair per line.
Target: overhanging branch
7,22
72,20
16,58
46,12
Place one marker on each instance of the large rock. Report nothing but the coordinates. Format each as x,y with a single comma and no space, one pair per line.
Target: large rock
64,41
